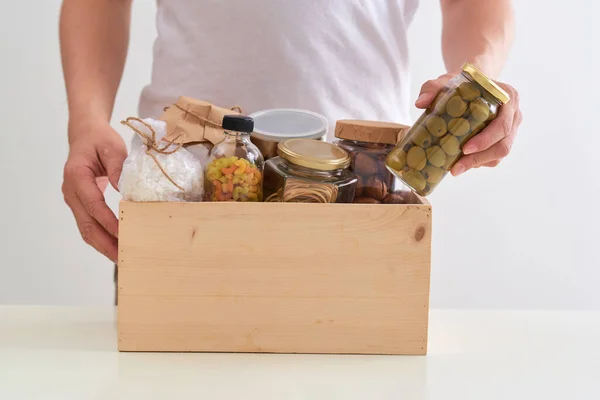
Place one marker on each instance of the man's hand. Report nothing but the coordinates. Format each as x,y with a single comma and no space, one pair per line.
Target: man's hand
490,146
96,155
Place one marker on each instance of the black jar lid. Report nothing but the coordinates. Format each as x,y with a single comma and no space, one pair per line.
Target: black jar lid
238,123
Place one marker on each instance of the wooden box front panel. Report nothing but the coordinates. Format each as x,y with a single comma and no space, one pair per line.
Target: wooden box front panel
274,277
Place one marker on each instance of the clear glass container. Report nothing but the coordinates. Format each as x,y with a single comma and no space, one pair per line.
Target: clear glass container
234,171
434,144
369,143
309,171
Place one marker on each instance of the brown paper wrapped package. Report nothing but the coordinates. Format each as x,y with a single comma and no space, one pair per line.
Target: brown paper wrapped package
195,121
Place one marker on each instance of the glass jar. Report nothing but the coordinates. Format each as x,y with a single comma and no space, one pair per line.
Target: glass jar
234,171
276,125
368,143
309,171
434,144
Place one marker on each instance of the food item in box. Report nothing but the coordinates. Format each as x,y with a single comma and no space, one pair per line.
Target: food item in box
235,168
366,200
155,171
368,143
460,111
195,121
233,178
309,171
276,125
394,198
359,186
197,124
375,188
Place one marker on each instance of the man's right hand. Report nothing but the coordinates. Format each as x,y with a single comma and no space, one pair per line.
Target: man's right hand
96,153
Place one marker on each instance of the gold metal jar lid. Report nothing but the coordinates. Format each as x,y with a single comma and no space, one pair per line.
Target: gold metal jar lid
485,82
370,131
313,154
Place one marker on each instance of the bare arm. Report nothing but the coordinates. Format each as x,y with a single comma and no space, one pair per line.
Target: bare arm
94,37
480,32
477,31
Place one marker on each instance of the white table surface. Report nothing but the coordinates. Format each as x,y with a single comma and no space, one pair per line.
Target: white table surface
70,353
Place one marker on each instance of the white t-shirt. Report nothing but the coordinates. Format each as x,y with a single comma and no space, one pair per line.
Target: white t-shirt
340,58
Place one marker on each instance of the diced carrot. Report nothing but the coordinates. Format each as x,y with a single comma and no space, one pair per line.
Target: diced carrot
217,184
230,170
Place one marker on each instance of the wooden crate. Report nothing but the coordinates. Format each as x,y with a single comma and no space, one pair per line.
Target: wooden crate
274,277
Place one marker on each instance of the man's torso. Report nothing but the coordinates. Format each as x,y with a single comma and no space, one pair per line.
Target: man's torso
341,58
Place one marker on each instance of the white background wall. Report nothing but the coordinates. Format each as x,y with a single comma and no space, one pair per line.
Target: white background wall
521,236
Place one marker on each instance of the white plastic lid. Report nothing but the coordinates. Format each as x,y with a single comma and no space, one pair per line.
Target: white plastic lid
279,124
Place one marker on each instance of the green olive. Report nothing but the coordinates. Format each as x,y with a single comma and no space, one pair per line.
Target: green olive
449,162
476,126
436,125
396,160
414,178
456,106
416,158
468,91
479,110
459,126
436,156
439,103
433,174
450,145
427,189
421,137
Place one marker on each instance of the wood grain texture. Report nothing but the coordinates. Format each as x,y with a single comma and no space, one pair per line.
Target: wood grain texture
370,131
274,277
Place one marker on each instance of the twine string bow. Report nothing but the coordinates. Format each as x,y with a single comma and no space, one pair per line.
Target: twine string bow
153,147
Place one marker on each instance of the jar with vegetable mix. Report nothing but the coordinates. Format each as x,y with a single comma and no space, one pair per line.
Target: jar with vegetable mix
368,143
309,171
434,144
234,171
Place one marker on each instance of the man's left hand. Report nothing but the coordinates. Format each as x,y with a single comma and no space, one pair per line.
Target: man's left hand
490,146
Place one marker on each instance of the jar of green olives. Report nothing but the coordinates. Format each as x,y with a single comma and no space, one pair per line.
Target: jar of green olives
434,144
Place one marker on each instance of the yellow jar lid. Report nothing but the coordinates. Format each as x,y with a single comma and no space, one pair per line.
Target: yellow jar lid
485,82
313,154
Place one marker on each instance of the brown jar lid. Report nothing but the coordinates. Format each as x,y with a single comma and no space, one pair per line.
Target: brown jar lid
313,154
370,131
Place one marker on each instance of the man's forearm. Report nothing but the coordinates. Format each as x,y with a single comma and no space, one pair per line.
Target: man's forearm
477,31
94,36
